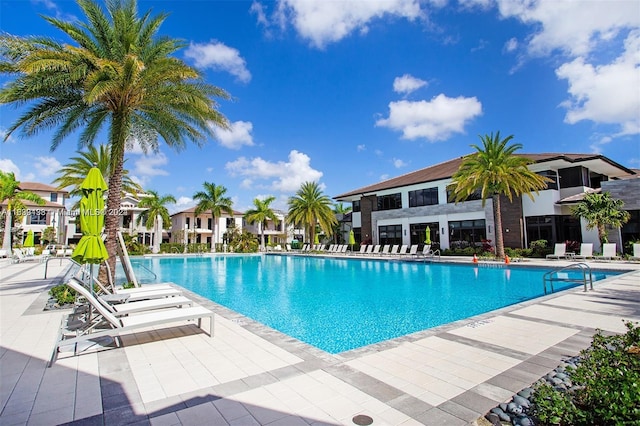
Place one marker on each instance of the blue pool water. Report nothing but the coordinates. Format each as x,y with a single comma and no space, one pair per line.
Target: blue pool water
339,304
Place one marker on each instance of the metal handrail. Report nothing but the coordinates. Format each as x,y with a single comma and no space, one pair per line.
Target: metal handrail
549,276
140,265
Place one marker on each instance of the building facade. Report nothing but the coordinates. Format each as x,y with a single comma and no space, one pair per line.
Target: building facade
398,210
187,227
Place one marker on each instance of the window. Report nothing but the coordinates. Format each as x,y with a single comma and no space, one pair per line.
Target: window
188,222
539,228
423,197
418,233
231,222
573,176
209,223
38,217
54,197
390,234
355,206
390,202
357,234
475,196
465,233
198,223
550,174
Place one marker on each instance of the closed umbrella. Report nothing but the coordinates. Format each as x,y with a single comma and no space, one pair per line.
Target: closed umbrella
90,248
316,240
28,242
352,239
427,235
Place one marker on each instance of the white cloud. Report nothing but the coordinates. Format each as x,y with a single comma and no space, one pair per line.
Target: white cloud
148,166
407,84
217,56
9,166
184,202
398,164
605,93
511,45
323,22
238,134
575,27
361,147
384,177
284,176
433,120
47,166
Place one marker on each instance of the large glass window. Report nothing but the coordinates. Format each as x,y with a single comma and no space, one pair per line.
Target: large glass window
357,234
476,195
539,228
38,217
423,197
390,234
418,232
466,233
573,176
553,176
355,206
390,202
54,197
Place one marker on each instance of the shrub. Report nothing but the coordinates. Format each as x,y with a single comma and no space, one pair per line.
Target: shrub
63,294
607,385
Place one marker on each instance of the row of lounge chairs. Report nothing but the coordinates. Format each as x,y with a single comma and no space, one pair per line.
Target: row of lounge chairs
374,250
107,314
586,252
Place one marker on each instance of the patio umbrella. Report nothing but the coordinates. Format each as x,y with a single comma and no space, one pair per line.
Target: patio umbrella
28,242
427,235
316,240
352,239
90,248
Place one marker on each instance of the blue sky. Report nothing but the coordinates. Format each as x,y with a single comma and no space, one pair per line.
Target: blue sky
348,93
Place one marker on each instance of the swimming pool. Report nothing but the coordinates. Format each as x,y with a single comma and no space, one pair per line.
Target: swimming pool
339,304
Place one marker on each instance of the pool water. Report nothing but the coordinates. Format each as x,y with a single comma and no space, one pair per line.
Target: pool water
339,304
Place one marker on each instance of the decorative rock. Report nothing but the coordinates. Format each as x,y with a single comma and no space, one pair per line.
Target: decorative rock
526,392
561,376
521,401
503,406
555,381
494,419
514,408
501,414
523,421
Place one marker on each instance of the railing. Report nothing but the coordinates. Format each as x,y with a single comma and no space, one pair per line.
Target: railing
553,276
141,266
176,250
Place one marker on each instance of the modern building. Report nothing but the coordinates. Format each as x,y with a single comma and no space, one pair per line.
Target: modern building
129,217
398,210
274,232
186,226
53,213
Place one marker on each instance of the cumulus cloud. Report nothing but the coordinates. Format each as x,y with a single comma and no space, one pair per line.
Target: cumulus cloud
433,120
238,134
407,84
511,45
361,147
605,93
47,166
148,166
9,166
398,164
323,22
217,56
283,176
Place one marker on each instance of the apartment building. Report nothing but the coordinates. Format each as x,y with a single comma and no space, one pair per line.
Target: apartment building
398,210
186,226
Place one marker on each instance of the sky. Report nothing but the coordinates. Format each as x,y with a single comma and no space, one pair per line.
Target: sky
349,93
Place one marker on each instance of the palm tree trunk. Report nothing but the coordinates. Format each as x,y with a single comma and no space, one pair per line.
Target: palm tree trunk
497,216
262,236
6,240
215,234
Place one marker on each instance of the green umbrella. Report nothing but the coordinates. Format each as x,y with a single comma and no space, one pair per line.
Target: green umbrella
352,239
316,240
427,232
28,242
91,248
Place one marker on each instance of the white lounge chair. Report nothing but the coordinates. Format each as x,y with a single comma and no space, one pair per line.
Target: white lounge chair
608,252
376,249
559,251
413,251
369,249
586,252
403,250
116,325
363,249
636,252
385,250
394,250
344,248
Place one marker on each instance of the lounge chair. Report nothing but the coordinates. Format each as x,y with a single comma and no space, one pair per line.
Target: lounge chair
363,249
369,249
586,252
394,250
130,307
559,251
4,253
344,248
413,251
636,252
426,250
116,325
403,250
385,250
376,250
608,252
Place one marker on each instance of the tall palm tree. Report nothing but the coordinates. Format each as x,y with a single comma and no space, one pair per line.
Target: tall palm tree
494,170
118,73
212,200
261,213
72,174
11,193
600,210
310,207
155,214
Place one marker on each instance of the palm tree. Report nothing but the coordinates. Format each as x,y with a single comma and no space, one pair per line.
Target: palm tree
155,215
310,207
339,209
72,174
493,171
119,74
11,193
260,214
600,211
212,200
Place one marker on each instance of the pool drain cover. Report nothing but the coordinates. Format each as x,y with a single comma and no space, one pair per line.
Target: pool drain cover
362,420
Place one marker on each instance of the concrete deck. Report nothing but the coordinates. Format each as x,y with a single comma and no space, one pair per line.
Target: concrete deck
249,374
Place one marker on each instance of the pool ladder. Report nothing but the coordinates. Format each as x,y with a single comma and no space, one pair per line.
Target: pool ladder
554,276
